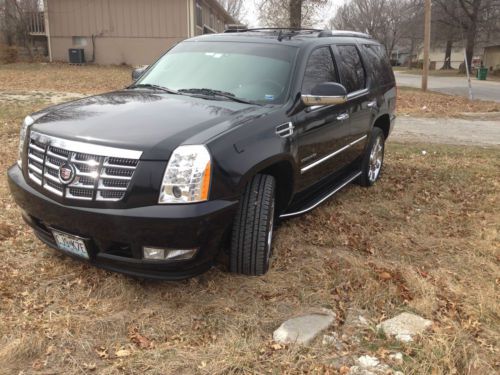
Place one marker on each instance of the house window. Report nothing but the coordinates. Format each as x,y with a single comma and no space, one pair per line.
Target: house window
212,20
199,14
79,41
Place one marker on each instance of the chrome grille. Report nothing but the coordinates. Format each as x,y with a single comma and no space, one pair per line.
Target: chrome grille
101,173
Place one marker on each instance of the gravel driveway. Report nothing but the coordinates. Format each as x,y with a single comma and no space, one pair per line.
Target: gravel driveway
448,131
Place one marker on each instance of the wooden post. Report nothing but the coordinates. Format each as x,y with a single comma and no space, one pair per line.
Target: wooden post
427,44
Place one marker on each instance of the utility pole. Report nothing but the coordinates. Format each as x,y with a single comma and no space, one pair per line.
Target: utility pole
427,44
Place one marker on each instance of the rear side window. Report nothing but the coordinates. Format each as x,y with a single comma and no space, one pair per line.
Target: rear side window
351,68
319,69
378,64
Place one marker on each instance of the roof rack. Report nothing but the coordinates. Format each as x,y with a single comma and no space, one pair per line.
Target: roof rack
290,32
354,34
296,29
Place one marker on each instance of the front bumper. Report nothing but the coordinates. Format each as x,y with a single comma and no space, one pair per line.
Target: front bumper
116,236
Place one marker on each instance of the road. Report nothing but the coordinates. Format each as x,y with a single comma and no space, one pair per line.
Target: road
484,90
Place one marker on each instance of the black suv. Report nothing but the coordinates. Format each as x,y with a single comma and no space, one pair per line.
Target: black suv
206,150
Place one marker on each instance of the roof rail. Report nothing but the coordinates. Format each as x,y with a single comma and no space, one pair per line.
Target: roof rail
354,34
291,29
234,28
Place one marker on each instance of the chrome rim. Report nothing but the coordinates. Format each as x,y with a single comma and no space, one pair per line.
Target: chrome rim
270,233
376,158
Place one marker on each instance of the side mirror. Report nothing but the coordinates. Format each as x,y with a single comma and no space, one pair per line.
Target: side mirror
327,93
137,72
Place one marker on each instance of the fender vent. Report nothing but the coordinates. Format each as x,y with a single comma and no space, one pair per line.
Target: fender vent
285,130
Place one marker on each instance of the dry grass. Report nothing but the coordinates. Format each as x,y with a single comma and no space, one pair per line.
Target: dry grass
432,224
415,102
89,79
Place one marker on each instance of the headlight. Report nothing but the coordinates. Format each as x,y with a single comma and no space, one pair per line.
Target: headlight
28,121
187,177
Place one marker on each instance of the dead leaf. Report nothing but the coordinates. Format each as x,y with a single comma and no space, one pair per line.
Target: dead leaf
102,352
385,276
344,370
123,353
140,340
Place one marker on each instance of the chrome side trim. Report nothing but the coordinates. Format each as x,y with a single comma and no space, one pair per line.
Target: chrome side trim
334,191
357,94
85,148
329,156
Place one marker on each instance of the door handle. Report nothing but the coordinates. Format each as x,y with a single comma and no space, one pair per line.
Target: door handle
343,117
372,104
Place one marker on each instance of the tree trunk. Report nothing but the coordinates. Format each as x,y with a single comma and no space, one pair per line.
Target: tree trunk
469,46
447,55
412,49
295,13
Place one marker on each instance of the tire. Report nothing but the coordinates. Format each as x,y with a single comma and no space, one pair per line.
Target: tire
251,239
373,159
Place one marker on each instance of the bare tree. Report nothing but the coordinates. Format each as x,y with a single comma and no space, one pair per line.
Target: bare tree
385,20
291,13
15,23
470,18
235,8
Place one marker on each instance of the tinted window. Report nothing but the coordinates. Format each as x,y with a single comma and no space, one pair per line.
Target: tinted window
319,69
378,64
257,72
351,68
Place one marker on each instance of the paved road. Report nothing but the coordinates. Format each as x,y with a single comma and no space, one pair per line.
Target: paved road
484,90
447,130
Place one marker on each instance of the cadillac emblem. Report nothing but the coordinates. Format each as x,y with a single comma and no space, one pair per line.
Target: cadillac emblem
67,173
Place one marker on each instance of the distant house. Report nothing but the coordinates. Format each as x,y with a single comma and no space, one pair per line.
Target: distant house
491,59
437,55
125,31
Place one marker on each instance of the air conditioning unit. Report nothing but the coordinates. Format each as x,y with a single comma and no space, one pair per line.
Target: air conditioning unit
76,56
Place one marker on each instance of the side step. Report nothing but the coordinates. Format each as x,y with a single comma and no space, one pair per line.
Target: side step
323,197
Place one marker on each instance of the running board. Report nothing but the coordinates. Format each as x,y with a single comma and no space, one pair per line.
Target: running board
323,198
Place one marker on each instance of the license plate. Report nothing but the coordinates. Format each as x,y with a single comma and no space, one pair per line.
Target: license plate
71,244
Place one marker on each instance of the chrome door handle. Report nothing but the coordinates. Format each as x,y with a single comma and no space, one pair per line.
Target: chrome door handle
343,117
372,104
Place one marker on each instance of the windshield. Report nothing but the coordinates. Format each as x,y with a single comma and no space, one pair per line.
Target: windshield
254,72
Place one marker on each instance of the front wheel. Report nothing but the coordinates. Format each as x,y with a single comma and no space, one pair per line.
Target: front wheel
252,235
373,159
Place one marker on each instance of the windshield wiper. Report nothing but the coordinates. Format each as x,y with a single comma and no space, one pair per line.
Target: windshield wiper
156,87
211,92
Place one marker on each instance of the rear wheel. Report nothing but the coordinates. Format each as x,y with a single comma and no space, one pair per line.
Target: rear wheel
252,236
373,159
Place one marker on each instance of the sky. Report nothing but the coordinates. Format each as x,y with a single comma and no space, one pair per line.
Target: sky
251,17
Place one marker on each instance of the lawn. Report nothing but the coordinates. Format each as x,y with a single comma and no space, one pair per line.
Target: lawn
425,239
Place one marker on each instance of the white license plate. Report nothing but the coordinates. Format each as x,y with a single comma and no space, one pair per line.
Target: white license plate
71,244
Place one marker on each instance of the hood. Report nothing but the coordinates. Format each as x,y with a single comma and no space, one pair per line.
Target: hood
149,121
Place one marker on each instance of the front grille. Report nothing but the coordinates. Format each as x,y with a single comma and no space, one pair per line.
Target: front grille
101,173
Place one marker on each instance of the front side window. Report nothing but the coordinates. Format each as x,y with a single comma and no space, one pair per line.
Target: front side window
251,71
351,68
320,69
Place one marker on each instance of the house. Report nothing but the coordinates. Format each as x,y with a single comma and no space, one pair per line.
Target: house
131,32
437,57
400,57
491,58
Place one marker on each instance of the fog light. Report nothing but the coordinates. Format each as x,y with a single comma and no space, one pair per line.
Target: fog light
153,253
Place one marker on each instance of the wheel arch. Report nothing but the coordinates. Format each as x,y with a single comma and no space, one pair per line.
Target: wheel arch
384,123
283,171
